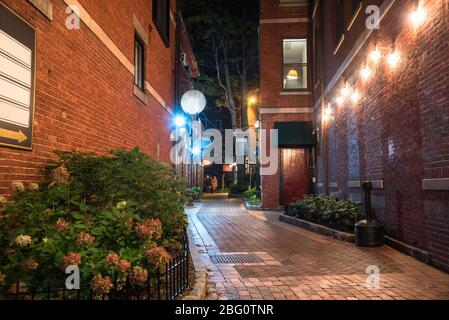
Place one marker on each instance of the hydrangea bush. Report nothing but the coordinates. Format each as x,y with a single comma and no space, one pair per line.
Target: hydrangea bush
113,217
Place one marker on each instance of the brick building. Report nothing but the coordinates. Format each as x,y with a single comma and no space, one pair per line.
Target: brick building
104,83
286,97
379,102
186,72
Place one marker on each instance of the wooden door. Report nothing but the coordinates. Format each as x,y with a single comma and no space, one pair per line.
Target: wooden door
295,180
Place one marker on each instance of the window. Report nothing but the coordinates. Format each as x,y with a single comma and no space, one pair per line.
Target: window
295,75
318,40
340,20
139,62
355,5
161,19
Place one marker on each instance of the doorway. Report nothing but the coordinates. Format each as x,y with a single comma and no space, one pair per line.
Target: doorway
295,180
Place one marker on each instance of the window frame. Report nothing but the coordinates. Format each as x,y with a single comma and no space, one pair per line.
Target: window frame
307,64
163,27
340,24
139,42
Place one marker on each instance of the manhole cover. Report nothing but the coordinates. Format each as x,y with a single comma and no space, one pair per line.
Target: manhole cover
235,258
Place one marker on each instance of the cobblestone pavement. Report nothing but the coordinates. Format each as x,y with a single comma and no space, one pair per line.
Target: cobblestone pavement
286,262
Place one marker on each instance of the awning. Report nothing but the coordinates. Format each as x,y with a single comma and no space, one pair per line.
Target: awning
295,134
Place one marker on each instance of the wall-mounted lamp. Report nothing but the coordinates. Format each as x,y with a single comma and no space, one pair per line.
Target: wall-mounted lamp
366,73
419,15
393,59
375,55
355,97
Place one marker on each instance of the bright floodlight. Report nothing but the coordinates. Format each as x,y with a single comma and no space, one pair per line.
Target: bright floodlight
193,102
180,121
196,151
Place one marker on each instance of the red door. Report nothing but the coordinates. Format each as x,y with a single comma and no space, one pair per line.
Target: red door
294,175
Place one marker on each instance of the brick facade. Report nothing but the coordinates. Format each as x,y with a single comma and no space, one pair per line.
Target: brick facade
278,22
398,133
84,98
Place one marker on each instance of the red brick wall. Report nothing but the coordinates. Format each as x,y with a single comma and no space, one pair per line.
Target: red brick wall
271,36
399,132
84,94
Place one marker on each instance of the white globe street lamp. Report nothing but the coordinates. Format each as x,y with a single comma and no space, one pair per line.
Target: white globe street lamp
193,102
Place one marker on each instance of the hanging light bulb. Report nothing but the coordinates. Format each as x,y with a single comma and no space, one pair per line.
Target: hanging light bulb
393,59
375,55
366,73
340,100
355,97
418,16
346,91
327,114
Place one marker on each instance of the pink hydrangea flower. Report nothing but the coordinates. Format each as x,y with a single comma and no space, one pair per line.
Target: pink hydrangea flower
84,238
112,260
124,265
138,276
149,229
30,265
61,225
60,175
72,259
101,285
158,257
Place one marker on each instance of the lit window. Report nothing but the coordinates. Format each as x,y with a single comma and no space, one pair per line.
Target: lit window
139,62
295,64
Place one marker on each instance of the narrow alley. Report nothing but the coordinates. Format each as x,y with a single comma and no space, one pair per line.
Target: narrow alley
279,261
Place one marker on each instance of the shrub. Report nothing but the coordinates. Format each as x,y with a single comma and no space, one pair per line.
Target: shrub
328,211
252,195
238,189
195,193
103,214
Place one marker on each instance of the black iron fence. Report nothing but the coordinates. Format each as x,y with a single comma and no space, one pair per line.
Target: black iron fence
166,283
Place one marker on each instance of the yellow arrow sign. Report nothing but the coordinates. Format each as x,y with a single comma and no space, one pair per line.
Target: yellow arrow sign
13,135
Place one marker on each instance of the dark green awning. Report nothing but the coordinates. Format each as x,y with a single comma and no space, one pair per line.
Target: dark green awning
295,134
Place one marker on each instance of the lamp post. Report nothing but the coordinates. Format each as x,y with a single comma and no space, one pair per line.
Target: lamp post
193,102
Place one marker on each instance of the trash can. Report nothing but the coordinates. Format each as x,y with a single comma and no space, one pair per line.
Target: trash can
369,232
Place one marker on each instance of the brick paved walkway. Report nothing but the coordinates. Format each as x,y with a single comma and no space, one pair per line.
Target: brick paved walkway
297,264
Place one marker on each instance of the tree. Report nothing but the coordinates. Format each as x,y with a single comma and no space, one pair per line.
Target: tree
224,36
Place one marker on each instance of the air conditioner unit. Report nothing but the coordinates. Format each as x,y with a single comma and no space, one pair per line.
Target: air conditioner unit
183,59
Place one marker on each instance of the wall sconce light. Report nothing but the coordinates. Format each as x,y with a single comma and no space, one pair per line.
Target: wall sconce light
375,55
355,97
418,15
366,73
340,100
346,91
393,59
180,121
327,115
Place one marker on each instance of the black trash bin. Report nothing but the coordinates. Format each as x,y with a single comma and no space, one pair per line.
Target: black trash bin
369,232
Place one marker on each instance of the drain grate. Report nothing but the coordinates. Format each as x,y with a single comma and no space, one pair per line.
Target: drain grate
235,258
